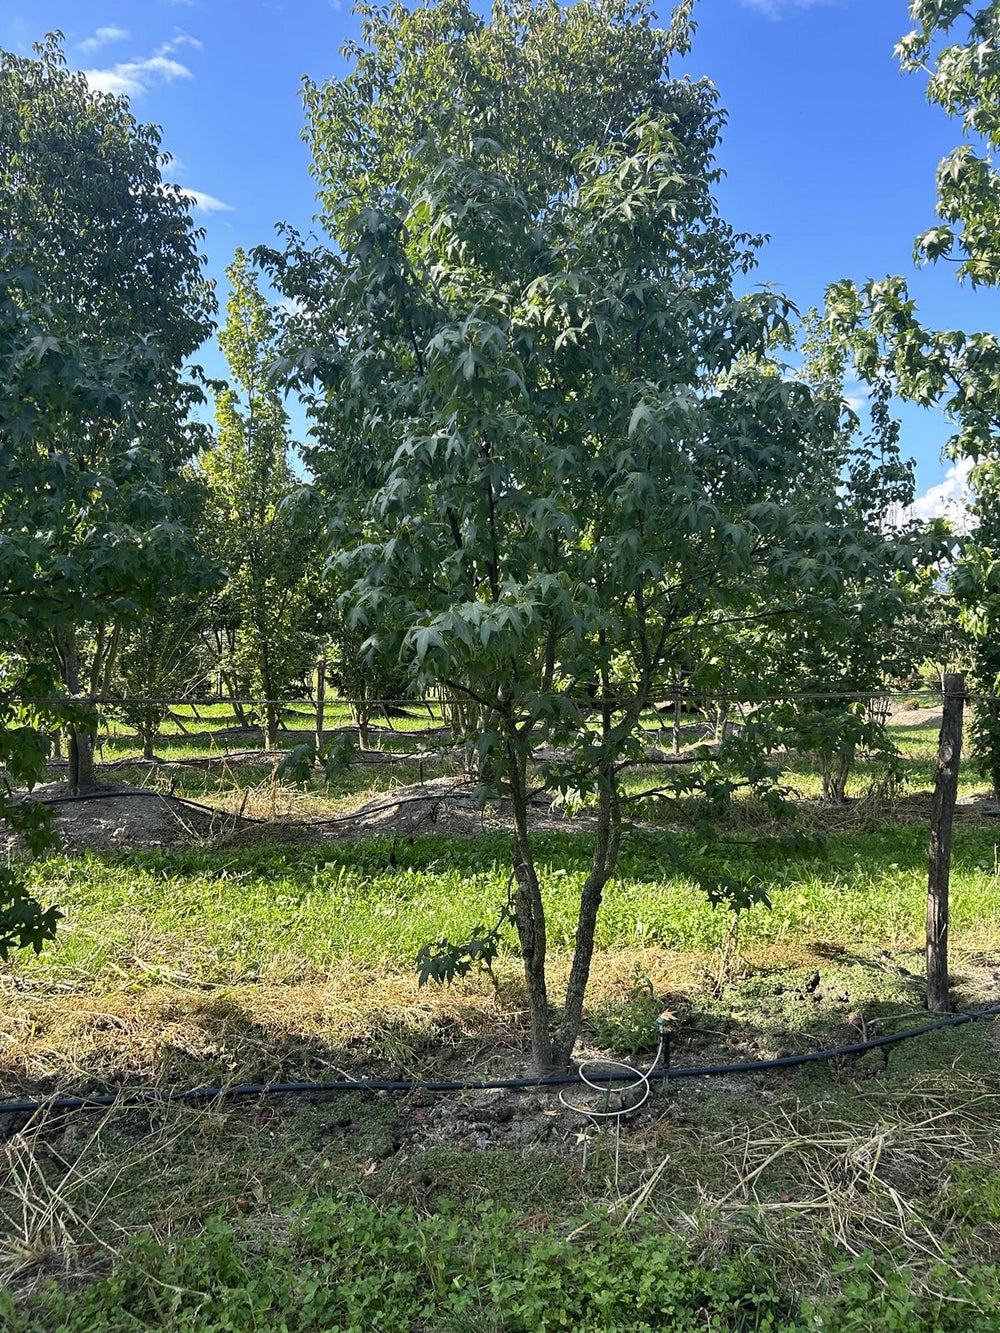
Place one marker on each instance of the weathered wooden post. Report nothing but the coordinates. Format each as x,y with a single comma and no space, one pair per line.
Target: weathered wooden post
942,817
320,701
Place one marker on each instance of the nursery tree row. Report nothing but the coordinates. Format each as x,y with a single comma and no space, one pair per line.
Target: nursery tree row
563,456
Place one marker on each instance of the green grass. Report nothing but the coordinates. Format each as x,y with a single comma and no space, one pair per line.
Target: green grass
216,729
853,1195
283,913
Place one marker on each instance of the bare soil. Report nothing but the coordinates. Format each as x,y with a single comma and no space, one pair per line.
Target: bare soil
123,816
445,805
901,716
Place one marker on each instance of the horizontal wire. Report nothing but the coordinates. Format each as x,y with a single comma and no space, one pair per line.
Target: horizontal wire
693,696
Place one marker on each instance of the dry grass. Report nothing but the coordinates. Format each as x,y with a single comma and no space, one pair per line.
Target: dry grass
831,1163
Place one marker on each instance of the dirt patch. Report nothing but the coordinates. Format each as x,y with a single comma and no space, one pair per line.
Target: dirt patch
124,816
445,805
903,716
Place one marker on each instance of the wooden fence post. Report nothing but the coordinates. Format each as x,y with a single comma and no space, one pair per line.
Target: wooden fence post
942,815
320,701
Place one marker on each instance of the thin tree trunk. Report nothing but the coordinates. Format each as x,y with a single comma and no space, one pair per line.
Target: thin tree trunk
993,732
81,753
602,865
836,770
271,726
360,715
233,687
530,914
270,711
74,761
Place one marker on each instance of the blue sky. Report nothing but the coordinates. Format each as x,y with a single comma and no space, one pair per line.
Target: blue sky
830,149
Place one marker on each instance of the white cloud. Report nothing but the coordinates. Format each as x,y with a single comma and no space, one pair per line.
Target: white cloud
103,36
135,77
949,498
205,203
179,39
776,9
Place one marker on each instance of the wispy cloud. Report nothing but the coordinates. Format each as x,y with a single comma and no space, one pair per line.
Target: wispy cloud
776,9
103,37
135,77
179,39
204,203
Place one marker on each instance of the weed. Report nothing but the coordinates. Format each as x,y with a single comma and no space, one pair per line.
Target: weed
627,1024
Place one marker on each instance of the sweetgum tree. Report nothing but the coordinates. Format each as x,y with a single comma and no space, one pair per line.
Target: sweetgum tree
113,254
570,445
47,384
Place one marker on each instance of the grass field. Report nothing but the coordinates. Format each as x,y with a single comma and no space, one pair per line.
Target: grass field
862,1193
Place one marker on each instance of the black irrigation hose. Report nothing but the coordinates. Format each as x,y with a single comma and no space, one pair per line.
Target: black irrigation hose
128,795
157,1096
213,810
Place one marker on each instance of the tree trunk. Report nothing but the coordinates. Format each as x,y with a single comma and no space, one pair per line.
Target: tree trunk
360,715
82,777
233,687
721,719
836,770
270,710
993,734
530,914
74,760
602,865
271,726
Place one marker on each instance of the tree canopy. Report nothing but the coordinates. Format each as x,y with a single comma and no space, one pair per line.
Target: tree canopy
115,271
578,451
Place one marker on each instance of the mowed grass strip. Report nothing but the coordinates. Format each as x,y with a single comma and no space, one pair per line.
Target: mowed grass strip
281,914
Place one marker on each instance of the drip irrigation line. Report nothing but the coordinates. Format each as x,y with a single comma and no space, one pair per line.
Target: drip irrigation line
390,804
138,792
668,1072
